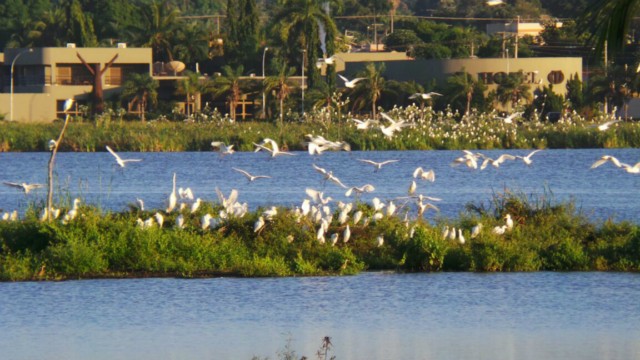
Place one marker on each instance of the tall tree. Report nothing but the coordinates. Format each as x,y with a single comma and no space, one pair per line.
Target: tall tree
191,43
140,89
461,88
155,29
282,85
229,85
368,91
243,33
513,88
192,88
610,21
306,25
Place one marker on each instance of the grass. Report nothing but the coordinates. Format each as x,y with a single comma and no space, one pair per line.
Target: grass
547,236
430,130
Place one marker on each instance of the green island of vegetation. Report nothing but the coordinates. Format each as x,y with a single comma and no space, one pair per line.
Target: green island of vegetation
283,242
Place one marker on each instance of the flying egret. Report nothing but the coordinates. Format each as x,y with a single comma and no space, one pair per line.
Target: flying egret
635,169
317,196
250,177
604,159
350,83
274,150
424,96
122,162
185,193
527,159
223,149
26,188
390,130
328,175
509,119
377,165
496,163
494,2
367,188
364,124
420,173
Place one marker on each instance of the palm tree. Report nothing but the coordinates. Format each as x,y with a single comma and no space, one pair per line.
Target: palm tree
368,91
513,88
282,85
299,25
141,89
610,21
155,29
460,89
229,84
192,87
192,43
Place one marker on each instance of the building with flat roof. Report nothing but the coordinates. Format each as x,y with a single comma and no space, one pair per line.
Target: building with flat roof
43,78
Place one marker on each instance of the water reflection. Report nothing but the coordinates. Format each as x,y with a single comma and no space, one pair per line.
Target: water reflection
369,316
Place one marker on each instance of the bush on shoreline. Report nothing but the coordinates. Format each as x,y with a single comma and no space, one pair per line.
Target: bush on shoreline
546,236
430,130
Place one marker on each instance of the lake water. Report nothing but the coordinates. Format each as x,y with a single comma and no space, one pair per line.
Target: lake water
374,315
601,193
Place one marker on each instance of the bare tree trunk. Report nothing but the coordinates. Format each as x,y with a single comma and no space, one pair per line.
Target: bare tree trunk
52,160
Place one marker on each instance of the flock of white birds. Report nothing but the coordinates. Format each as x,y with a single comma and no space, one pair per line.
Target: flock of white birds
317,206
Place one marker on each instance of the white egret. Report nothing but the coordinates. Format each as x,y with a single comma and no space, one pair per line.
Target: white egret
328,175
346,235
461,238
420,173
475,231
635,169
185,193
317,196
494,2
223,148
499,230
320,235
390,130
274,150
259,224
445,233
180,221
122,162
508,221
509,119
424,96
412,188
604,159
140,203
159,219
380,240
205,222
377,204
67,105
377,165
270,213
527,159
606,125
26,188
357,216
350,83
364,124
496,163
250,177
367,188
452,233
334,239
173,198
195,205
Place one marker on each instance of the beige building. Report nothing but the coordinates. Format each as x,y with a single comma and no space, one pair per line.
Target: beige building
538,71
43,78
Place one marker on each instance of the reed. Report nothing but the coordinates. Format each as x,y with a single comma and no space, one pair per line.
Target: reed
429,130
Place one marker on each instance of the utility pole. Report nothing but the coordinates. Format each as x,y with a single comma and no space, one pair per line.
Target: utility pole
515,55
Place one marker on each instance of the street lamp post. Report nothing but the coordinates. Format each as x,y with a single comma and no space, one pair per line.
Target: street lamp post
264,97
13,63
304,52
